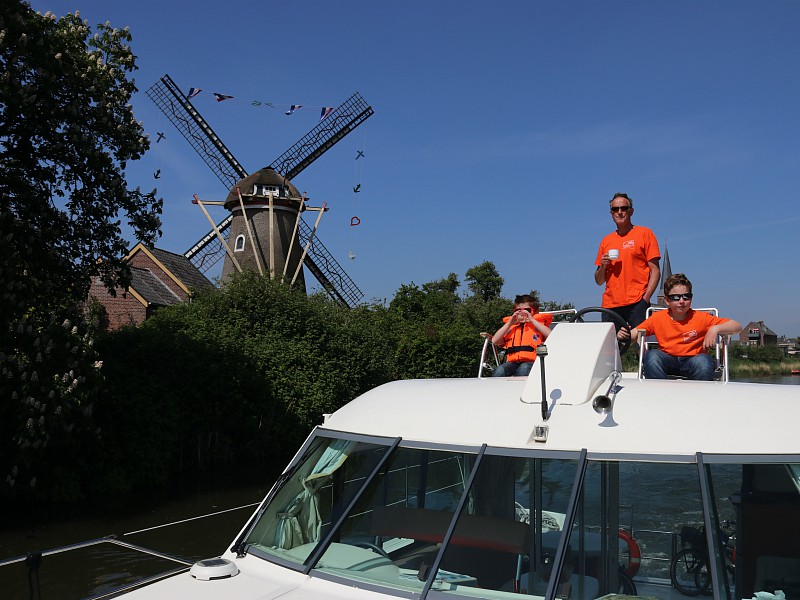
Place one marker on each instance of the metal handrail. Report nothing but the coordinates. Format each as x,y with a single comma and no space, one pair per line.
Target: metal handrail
112,539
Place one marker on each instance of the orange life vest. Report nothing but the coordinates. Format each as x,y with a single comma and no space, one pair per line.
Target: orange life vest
521,340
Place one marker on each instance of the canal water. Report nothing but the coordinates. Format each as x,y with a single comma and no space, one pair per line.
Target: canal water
201,525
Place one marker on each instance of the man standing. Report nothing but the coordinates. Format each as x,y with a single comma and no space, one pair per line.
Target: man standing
627,263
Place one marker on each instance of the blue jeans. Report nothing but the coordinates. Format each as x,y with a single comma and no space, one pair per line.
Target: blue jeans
513,369
658,364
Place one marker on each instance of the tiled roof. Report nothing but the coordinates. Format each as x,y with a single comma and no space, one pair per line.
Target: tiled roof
150,287
766,330
182,268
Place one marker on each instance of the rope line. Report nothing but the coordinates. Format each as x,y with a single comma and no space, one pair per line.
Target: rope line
192,518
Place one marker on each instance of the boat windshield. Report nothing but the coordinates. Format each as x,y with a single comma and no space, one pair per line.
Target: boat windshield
500,523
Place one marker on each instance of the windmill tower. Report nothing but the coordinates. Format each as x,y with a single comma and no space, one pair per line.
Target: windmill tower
211,248
265,208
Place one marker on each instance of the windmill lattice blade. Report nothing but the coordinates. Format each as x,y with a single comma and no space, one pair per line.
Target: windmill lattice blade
173,103
327,270
328,131
208,251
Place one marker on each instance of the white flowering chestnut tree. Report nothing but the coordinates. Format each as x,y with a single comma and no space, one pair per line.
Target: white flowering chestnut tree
67,132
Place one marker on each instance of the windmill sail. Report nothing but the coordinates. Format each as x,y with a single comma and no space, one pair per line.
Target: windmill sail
174,104
328,131
208,251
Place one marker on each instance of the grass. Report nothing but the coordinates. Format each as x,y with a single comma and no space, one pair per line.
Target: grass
749,368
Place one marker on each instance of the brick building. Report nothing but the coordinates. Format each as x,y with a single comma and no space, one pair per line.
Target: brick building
756,333
158,278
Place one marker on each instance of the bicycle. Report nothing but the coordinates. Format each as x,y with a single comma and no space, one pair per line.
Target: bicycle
626,585
689,571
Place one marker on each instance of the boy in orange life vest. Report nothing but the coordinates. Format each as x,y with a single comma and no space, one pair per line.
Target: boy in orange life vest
683,335
519,335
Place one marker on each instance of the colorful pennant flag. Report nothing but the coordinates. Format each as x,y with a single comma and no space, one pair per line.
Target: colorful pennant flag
193,92
221,97
326,110
293,108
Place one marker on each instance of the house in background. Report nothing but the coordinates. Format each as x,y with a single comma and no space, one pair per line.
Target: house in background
788,346
158,278
756,333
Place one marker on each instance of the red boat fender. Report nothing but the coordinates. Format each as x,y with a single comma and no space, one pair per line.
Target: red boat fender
634,551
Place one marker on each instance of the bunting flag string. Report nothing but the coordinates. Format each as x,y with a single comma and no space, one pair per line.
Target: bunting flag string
292,108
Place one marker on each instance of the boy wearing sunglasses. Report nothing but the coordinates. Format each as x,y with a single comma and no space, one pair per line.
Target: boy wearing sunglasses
683,335
520,334
627,263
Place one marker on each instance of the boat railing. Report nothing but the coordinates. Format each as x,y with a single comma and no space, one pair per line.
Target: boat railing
34,558
492,358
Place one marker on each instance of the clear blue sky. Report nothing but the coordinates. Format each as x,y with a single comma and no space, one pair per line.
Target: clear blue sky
501,130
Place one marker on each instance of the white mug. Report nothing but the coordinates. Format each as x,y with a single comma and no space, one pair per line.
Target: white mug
613,254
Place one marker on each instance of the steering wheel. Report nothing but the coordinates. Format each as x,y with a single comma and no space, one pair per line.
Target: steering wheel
619,321
374,547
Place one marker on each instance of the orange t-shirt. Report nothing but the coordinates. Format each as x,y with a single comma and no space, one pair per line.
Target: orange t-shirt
525,335
627,277
681,338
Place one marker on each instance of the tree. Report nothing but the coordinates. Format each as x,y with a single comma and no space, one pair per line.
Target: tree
237,377
449,285
484,281
67,131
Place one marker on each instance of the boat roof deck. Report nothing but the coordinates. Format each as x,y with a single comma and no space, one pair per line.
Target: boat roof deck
667,418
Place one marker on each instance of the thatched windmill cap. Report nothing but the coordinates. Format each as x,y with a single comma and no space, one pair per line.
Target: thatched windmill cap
265,176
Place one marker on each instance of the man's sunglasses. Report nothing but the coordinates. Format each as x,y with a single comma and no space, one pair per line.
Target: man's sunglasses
676,297
620,209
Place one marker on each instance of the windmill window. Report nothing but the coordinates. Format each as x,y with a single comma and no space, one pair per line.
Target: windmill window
261,189
239,246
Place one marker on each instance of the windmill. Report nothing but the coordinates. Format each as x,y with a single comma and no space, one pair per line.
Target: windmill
262,190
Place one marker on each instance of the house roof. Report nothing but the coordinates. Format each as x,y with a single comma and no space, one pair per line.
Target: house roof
761,326
182,268
151,288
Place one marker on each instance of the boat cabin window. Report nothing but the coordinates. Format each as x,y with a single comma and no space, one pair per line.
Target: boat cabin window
416,521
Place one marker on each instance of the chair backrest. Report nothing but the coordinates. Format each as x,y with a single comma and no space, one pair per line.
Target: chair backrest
721,348
487,342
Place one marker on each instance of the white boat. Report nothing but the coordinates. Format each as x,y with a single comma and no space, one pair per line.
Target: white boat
574,482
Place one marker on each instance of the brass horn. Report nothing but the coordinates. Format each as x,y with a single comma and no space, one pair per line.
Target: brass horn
604,404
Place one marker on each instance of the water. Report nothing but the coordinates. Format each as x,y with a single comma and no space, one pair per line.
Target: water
782,379
81,573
